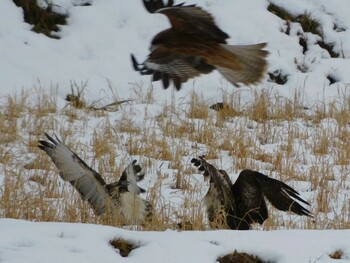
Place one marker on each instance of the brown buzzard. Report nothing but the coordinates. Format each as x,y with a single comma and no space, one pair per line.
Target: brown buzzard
195,45
238,205
121,198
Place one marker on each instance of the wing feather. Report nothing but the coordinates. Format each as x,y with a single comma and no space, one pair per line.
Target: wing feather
188,18
220,190
285,198
221,182
86,181
249,61
167,65
280,195
194,19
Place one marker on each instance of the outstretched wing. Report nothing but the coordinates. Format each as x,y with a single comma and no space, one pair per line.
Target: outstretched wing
190,24
252,186
88,182
168,66
220,190
283,197
188,18
221,182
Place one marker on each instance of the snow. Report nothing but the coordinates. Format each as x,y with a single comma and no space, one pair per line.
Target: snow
64,242
96,44
95,47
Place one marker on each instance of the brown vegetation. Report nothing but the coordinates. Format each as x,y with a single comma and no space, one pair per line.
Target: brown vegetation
310,152
239,257
124,247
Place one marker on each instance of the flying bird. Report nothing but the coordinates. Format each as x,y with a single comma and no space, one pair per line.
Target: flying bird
195,45
238,205
121,198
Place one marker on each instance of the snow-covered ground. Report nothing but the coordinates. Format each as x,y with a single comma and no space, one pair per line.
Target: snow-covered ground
95,47
23,241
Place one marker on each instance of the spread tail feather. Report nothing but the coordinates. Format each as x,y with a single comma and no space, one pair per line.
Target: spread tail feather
249,64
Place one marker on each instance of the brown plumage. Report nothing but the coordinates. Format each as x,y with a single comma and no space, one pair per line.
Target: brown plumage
195,45
238,205
121,198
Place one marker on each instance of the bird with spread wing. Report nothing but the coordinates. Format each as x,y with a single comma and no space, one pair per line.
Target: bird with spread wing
121,198
238,205
195,45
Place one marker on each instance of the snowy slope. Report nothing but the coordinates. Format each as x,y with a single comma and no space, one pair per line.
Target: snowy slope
96,45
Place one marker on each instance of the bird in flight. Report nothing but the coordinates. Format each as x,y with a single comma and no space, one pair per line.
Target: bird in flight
121,197
195,45
238,205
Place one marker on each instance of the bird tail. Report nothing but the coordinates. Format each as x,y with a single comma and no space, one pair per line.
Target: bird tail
243,64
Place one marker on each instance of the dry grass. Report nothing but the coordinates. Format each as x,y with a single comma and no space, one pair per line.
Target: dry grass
308,149
239,257
124,247
338,254
44,20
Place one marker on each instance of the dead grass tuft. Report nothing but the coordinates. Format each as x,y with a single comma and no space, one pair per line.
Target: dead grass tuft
240,257
338,254
125,247
143,96
198,109
44,19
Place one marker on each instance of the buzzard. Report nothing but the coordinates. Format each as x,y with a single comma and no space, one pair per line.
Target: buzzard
121,197
238,205
195,45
